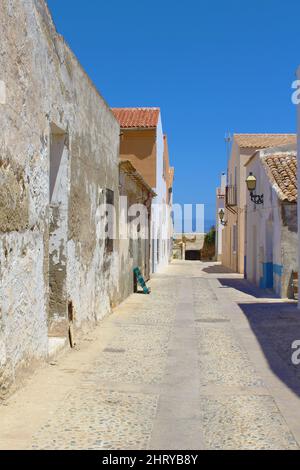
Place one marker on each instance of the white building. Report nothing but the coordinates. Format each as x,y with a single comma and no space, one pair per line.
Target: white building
271,222
220,206
160,224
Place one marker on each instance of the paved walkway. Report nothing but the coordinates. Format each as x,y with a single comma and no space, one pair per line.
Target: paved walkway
204,362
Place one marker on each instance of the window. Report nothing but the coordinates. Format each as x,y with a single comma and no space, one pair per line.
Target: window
109,228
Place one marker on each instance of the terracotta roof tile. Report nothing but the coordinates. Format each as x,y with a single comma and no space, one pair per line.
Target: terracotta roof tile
264,140
137,117
282,171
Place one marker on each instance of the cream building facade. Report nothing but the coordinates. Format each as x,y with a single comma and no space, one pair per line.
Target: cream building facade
234,239
272,232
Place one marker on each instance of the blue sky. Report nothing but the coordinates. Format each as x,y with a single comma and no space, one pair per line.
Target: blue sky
210,66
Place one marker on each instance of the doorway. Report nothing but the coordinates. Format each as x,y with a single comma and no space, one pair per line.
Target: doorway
192,255
58,324
268,265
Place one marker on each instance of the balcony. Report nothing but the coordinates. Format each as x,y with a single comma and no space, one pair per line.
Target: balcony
231,196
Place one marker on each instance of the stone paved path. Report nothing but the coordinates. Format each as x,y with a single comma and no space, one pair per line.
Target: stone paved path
201,363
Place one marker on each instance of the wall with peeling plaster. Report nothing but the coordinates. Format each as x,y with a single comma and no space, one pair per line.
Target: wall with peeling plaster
47,91
133,251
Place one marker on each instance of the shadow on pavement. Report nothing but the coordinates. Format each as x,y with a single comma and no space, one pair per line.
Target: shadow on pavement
242,285
217,269
276,326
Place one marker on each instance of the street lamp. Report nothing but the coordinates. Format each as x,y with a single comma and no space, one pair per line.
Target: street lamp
221,217
251,185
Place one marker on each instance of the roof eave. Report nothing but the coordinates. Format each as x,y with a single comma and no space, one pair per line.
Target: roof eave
128,167
138,128
256,152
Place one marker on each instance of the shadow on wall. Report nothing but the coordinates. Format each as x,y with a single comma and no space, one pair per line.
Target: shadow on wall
138,143
242,285
276,326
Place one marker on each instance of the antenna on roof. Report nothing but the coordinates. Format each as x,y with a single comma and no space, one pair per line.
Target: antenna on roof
228,140
228,137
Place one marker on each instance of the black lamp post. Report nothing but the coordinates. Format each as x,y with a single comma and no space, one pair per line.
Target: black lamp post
251,185
221,217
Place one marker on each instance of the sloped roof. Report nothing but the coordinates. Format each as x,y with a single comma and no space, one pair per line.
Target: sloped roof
264,140
282,171
137,117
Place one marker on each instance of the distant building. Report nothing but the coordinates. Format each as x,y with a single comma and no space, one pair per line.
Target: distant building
272,234
145,146
188,246
220,206
233,235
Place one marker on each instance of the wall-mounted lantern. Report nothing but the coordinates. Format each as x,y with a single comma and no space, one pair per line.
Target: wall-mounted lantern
251,185
221,217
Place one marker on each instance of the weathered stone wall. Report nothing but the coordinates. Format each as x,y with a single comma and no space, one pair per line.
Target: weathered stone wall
48,93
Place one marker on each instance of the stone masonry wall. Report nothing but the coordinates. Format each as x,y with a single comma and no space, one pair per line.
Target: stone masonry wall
48,95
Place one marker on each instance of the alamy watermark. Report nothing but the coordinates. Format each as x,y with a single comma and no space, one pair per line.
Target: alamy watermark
296,93
296,354
139,221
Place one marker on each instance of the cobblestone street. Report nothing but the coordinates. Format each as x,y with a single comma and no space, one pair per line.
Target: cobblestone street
204,362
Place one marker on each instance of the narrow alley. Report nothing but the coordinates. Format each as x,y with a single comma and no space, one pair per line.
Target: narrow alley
201,363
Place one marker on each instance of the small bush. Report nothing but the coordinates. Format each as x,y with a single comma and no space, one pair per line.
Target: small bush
208,250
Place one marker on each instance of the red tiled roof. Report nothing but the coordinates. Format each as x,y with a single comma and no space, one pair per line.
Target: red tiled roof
282,171
137,117
264,140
